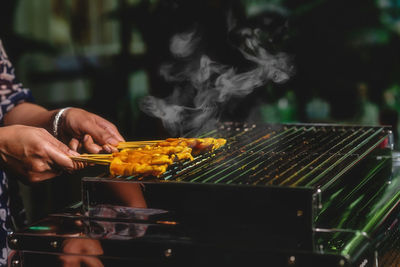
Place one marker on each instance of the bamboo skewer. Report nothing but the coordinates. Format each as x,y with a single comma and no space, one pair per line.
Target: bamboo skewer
105,159
99,156
92,160
142,141
137,144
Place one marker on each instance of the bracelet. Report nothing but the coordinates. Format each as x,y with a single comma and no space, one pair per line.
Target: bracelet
56,121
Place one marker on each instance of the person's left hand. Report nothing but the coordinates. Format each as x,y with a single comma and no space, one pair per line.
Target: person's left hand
87,131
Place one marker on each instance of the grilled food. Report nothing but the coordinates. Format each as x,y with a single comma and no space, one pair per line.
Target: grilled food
155,159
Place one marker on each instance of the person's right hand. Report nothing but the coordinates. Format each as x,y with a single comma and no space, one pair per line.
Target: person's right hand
34,153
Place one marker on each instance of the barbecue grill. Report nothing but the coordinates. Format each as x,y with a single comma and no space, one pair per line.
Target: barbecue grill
287,195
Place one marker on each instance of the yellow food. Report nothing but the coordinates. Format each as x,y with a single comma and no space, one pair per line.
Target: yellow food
155,159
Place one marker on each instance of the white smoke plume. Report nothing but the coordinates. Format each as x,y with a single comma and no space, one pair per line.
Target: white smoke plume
184,44
210,84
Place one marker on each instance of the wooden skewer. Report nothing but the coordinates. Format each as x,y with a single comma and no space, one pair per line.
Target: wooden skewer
96,155
141,142
136,144
92,160
133,145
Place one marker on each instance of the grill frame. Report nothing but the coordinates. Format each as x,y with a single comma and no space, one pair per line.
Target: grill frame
287,214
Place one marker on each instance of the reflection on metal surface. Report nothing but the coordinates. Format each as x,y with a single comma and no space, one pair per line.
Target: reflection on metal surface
123,212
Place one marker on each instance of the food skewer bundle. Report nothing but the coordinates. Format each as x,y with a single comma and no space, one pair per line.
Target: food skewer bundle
152,157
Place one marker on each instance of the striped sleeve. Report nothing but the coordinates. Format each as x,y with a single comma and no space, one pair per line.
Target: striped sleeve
11,92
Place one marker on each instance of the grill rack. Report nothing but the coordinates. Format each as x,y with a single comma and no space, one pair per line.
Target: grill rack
297,155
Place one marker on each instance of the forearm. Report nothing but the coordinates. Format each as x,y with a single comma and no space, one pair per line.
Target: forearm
31,115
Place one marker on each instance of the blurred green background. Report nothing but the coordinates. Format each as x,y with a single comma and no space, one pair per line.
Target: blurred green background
104,56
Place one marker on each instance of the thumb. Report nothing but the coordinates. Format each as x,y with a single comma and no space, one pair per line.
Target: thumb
59,154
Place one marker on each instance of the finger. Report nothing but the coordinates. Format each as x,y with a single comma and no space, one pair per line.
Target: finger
78,165
74,144
53,142
59,154
109,148
90,146
105,132
111,129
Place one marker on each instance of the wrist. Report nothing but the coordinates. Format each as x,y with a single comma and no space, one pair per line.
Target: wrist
58,122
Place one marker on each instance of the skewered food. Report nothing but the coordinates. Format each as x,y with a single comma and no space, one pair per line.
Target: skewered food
152,157
198,145
155,159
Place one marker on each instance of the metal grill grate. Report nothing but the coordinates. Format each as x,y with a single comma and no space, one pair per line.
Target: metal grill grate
282,155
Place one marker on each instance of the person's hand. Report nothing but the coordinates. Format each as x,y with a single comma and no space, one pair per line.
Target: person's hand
34,153
88,131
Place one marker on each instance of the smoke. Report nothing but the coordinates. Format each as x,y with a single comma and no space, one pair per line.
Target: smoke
184,44
202,86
